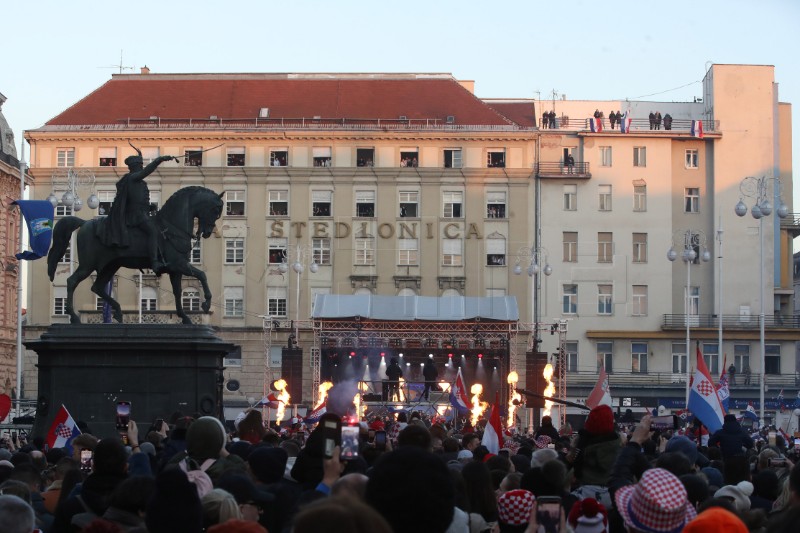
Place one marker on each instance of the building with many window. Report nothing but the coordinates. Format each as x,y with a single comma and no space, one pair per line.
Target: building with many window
410,184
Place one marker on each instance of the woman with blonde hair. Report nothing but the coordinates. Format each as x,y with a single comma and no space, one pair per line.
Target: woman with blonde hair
219,506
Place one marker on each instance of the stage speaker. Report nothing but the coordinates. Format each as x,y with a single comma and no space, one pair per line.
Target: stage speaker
534,378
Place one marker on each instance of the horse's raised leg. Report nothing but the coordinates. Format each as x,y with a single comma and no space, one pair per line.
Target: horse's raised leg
79,275
175,280
99,288
201,277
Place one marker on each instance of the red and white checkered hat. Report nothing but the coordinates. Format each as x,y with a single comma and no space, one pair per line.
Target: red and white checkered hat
543,441
514,507
657,504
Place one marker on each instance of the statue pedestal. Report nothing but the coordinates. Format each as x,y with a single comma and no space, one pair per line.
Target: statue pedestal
158,368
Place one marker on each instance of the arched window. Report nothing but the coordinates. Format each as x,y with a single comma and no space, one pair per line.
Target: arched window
362,291
190,299
450,292
406,292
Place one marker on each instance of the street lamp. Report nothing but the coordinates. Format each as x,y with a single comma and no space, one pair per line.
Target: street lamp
298,257
71,181
691,239
758,188
535,256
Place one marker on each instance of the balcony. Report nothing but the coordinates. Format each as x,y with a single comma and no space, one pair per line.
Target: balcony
148,317
744,322
558,169
791,224
638,125
623,378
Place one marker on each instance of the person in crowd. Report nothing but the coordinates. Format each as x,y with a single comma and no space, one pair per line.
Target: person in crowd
570,164
547,428
732,374
393,375
667,121
658,120
480,494
514,510
716,519
31,476
52,493
652,118
174,504
658,502
126,508
219,506
594,453
16,516
430,373
338,514
250,427
205,449
732,439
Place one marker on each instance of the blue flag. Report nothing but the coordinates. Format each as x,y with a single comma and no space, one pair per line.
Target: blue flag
38,216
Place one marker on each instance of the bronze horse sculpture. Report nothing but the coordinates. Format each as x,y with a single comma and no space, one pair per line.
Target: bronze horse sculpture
175,222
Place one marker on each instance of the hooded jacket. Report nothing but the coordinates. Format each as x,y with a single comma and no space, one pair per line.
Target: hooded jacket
731,438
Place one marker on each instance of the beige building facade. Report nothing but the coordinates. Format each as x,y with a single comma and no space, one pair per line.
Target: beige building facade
409,184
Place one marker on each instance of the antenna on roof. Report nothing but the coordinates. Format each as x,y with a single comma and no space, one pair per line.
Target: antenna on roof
121,67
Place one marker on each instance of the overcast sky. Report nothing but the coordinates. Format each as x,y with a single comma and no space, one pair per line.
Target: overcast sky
58,52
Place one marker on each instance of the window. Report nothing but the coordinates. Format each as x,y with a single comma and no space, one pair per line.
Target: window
691,158
691,200
741,356
495,251
640,247
155,202
569,299
605,156
639,156
106,200
234,301
236,156
276,301
234,251
233,358
711,357
408,252
321,250
279,203
772,359
190,299
605,246
639,353
452,158
149,299
496,158
63,210
604,197
322,156
234,203
365,251
193,157
365,157
639,302
108,157
452,204
452,250
98,303
640,196
277,250
605,299
409,157
571,349
679,358
365,204
409,204
605,356
496,204
65,157
279,157
570,239
149,154
490,293
60,301
694,302
570,197
321,203
67,259
196,256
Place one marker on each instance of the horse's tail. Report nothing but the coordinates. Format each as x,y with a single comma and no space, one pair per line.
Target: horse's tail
61,237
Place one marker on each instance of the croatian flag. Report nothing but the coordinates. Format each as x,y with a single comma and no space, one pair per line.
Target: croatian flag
625,123
62,431
458,395
596,124
601,393
493,434
270,400
314,416
750,412
697,128
703,398
723,390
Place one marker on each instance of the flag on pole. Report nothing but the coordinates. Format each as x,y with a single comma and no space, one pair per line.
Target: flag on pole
458,395
601,393
750,412
493,434
314,416
723,389
270,400
703,398
780,400
62,431
625,124
697,129
38,216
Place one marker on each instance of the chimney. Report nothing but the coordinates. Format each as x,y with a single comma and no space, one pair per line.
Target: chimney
145,70
468,85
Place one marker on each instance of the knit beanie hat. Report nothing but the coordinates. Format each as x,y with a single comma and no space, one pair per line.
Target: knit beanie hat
268,464
514,507
716,519
174,505
739,493
600,420
588,516
205,439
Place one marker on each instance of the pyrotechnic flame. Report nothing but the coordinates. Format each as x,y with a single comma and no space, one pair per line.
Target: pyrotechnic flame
283,397
512,380
400,390
478,407
323,392
444,386
361,408
550,390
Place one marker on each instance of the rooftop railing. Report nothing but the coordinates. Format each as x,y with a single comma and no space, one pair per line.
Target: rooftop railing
731,321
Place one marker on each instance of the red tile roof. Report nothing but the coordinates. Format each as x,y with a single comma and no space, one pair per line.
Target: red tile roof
241,96
521,112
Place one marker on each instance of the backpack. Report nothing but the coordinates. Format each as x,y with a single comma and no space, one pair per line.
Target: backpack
197,475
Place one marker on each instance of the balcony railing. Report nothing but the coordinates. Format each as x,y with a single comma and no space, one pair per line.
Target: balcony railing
731,321
637,125
148,317
627,378
557,169
792,224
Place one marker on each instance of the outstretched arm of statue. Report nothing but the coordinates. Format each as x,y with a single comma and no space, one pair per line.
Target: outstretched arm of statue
146,171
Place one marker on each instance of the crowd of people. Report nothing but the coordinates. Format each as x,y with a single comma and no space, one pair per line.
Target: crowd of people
411,473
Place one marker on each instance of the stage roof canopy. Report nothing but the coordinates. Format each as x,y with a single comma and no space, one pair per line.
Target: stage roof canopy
400,308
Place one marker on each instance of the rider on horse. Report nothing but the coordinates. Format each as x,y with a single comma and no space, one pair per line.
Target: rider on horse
131,209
